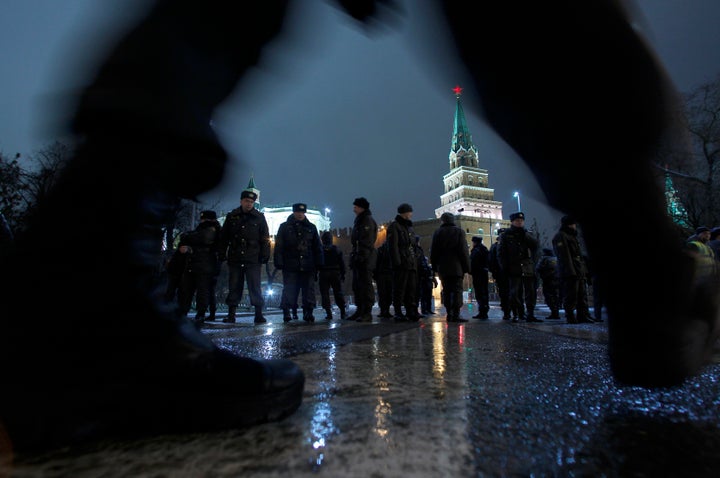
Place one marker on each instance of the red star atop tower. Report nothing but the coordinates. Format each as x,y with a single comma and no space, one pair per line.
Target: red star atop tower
457,90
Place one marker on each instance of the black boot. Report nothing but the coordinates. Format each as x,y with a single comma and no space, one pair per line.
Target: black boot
355,314
232,311
286,315
136,367
146,142
364,314
259,319
328,313
308,314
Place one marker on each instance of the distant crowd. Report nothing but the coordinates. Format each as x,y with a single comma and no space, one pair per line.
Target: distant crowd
397,275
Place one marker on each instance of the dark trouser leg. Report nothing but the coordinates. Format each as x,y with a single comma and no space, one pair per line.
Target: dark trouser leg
515,295
662,337
291,290
307,286
186,290
255,285
570,288
530,295
236,284
384,289
456,295
503,286
324,285
203,283
212,298
399,290
364,290
144,139
337,291
452,302
410,298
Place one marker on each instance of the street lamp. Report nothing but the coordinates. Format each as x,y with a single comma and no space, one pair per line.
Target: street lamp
327,217
517,195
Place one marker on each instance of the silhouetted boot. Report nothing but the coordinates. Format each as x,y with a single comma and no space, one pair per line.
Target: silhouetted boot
354,315
328,314
456,314
295,313
147,140
211,316
365,315
259,319
115,377
308,314
554,315
399,316
343,314
231,316
286,315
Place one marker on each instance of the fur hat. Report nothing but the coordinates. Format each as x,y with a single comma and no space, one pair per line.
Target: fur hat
714,232
567,221
208,215
702,229
299,207
403,208
477,239
361,202
248,194
517,215
326,238
447,218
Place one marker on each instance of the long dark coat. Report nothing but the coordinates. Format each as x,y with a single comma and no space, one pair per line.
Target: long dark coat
297,246
363,236
401,242
449,254
517,252
245,237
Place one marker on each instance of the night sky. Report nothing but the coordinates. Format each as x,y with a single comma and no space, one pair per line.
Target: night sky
331,114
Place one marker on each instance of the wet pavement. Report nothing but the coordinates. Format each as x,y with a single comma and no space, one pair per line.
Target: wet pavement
432,399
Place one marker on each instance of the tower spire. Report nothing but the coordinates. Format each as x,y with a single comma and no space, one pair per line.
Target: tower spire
461,138
251,187
466,189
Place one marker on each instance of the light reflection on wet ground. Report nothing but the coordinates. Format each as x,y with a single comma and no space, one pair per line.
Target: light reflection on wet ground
433,400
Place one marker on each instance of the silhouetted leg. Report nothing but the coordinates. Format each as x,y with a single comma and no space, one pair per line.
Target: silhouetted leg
123,360
571,87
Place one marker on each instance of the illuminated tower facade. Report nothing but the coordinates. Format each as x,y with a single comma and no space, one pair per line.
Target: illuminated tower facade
467,194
